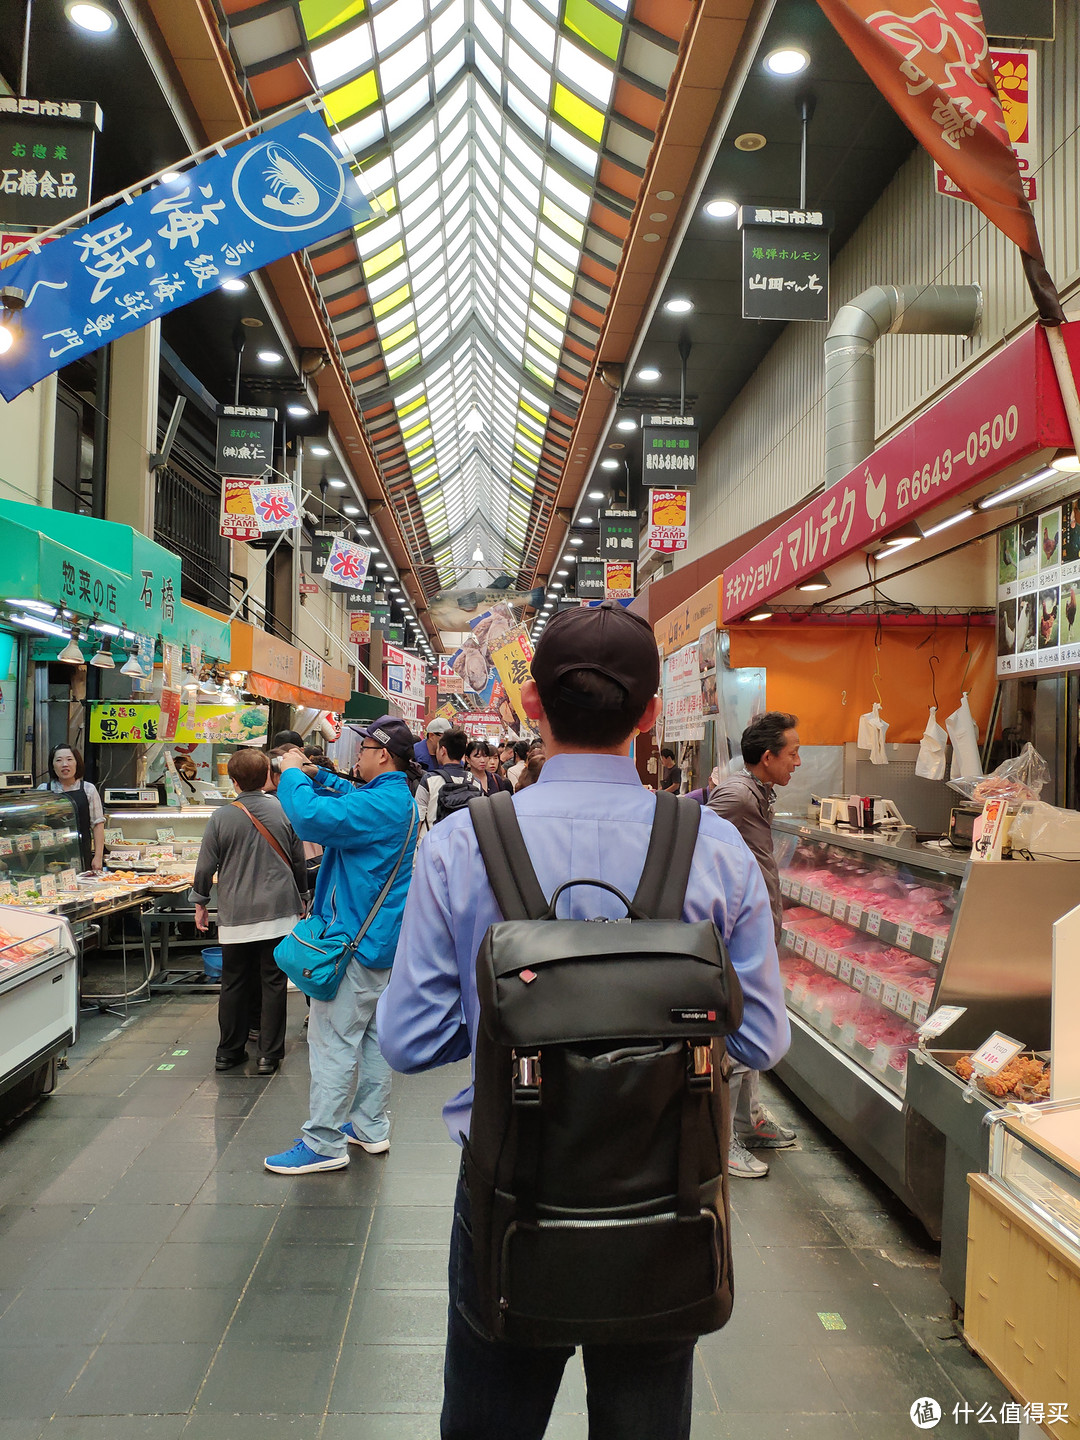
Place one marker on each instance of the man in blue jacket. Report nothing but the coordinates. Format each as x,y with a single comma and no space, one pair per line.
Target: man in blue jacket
366,831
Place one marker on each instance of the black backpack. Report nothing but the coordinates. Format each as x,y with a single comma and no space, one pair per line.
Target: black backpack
454,794
597,1157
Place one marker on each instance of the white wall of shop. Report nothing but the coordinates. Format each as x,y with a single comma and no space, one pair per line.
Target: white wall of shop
767,453
27,428
316,615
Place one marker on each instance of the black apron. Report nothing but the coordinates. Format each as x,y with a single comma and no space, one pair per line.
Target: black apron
79,799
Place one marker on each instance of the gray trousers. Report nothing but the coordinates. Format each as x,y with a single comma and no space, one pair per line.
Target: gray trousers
744,1087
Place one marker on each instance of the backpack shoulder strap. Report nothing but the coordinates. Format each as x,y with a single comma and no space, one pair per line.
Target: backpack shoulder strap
662,887
506,859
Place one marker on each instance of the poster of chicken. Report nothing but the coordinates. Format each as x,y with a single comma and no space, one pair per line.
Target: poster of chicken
669,520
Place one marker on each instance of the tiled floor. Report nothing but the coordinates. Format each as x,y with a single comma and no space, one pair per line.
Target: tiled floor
156,1282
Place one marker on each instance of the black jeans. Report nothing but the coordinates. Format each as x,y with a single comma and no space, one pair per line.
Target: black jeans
251,984
497,1391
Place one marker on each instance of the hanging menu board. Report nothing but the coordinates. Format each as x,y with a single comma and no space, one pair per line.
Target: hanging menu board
1038,613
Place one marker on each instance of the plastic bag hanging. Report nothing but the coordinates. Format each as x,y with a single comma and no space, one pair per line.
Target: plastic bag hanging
931,762
871,737
964,735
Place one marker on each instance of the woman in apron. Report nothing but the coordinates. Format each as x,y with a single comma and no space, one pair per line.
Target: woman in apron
66,778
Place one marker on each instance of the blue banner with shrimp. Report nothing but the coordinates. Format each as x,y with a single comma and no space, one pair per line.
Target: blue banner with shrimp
267,197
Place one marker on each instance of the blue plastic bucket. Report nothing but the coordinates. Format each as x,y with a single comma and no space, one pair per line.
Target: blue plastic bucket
211,959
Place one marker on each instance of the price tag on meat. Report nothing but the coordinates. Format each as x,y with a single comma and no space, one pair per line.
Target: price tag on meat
847,1035
815,899
937,1023
820,956
903,936
798,993
889,995
785,886
832,964
800,944
880,1058
937,952
854,915
873,986
873,922
805,892
995,1053
787,939
920,1012
845,970
905,1004
858,977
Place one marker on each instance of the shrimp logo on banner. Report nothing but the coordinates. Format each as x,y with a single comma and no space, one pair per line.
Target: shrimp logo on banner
347,564
289,187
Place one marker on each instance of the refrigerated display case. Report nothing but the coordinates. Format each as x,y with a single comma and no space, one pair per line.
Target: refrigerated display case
39,999
879,930
39,839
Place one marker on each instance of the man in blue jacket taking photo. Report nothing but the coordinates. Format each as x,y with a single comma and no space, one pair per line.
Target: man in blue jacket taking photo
366,830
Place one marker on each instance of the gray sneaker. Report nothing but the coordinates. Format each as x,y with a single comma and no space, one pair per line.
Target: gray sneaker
768,1134
744,1166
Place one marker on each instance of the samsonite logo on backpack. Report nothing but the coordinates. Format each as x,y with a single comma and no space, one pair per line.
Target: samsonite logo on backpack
596,1161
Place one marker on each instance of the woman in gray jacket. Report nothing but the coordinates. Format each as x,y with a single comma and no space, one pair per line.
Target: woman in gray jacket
261,893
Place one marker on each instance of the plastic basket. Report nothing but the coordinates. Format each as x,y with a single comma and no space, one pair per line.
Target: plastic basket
211,958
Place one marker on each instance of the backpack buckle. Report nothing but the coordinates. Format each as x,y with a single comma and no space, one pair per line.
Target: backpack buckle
699,1067
525,1082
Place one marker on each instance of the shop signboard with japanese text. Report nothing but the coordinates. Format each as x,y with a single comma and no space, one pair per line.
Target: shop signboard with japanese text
785,263
311,671
46,159
669,450
619,579
1007,409
1015,73
682,696
512,658
618,530
481,724
589,584
245,440
281,191
450,682
116,723
669,520
360,627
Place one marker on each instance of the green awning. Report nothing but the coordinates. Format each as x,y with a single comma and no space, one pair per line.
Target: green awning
50,556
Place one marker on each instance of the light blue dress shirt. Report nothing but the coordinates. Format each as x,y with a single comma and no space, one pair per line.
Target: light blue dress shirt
586,816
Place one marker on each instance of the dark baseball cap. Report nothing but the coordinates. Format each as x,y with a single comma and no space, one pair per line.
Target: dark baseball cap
605,638
391,732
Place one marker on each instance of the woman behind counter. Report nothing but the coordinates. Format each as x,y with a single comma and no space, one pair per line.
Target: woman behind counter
66,778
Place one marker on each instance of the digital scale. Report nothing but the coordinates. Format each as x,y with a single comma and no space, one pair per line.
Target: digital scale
131,795
16,780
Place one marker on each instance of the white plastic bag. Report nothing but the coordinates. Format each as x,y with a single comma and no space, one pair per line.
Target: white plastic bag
872,730
931,762
965,741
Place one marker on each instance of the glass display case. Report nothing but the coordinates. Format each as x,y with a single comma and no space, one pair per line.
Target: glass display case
38,995
155,837
866,926
1035,1155
39,839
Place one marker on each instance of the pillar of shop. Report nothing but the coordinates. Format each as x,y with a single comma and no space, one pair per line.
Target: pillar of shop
133,428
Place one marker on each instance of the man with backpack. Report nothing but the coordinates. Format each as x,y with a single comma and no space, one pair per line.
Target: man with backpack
591,1208
450,787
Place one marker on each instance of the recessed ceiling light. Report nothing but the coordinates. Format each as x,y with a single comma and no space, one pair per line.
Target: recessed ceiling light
650,372
381,565
789,60
319,450
233,284
351,509
363,530
584,519
298,410
564,572
576,540
1066,462
763,614
679,305
596,494
270,357
89,16
721,209
609,464
626,425
337,484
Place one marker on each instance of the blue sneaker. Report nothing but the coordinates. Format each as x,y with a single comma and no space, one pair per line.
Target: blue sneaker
373,1147
302,1160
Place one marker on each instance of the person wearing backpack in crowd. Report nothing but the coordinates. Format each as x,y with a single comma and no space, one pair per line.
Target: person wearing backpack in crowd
480,758
368,834
595,674
770,752
426,749
452,786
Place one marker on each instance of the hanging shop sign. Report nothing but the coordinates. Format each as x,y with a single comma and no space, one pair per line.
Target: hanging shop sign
1015,77
1019,19
590,581
307,586
619,579
311,671
125,724
317,547
481,724
669,450
512,658
1038,611
785,263
1007,409
618,531
347,564
360,627
275,507
245,441
279,192
669,520
682,696
450,682
46,159
405,674
238,518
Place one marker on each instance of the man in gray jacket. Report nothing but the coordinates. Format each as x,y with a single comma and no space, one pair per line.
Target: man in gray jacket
261,893
770,752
